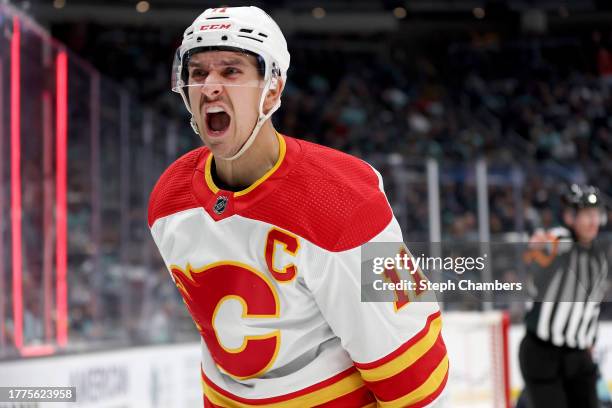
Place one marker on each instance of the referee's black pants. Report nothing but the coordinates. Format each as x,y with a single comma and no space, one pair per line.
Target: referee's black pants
559,377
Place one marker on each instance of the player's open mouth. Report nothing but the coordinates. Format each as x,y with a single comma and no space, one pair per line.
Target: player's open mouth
217,121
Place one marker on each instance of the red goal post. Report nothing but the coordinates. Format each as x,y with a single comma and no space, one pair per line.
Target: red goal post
477,345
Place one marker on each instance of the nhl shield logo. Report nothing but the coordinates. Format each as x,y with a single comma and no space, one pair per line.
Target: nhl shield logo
220,205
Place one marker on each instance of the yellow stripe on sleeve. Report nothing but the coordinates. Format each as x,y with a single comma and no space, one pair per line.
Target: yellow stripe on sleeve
331,392
407,358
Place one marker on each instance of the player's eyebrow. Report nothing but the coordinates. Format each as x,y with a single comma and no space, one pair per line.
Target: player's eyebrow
223,62
232,61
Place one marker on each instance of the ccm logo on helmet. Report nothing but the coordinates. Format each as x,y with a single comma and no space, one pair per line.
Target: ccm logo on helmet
215,27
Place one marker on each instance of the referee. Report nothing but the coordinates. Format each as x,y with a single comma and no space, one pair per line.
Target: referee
561,327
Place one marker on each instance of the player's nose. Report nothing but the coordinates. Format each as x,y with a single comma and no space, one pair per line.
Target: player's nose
213,85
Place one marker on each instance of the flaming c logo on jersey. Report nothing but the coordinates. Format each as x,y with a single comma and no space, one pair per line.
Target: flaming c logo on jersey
205,290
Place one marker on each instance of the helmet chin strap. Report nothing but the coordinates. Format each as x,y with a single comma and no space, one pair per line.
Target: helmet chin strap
260,121
194,126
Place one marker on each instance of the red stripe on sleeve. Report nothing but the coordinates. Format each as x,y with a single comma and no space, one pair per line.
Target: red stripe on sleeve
412,377
393,355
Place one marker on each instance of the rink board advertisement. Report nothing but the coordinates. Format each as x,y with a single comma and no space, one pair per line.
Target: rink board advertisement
152,377
147,377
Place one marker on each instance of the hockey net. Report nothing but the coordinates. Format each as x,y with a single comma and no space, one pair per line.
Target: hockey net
477,344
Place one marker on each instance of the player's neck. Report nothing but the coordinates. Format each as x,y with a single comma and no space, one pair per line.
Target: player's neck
260,157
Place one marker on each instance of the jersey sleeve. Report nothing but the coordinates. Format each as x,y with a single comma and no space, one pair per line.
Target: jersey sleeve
398,350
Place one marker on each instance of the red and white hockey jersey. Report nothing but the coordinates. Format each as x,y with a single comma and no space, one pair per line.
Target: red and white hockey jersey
271,277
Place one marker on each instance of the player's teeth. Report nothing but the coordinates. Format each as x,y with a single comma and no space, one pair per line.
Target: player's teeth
214,109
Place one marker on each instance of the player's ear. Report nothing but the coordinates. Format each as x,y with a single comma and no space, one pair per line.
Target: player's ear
276,89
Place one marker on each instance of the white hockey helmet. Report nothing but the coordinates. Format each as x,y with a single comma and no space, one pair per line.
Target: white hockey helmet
241,29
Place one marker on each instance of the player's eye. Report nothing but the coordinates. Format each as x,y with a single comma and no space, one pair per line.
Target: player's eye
231,71
198,74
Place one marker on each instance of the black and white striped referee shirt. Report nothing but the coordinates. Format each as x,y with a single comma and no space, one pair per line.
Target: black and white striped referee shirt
569,292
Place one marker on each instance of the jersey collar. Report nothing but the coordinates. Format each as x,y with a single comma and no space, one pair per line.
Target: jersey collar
213,187
221,203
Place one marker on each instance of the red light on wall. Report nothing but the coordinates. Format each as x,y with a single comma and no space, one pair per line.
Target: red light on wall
16,183
61,134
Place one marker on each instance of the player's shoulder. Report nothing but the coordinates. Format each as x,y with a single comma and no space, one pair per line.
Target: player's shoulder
339,170
338,202
172,192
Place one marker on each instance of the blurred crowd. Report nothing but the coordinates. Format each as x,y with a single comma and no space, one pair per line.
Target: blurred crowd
537,109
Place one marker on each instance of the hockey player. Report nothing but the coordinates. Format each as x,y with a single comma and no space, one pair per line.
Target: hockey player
570,275
262,234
